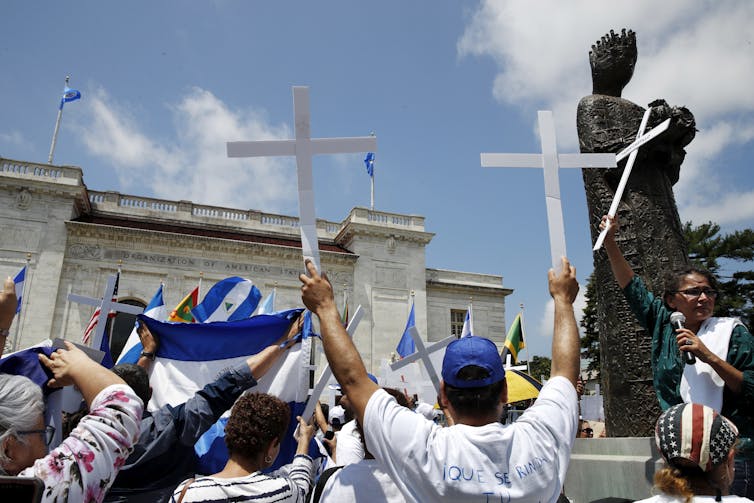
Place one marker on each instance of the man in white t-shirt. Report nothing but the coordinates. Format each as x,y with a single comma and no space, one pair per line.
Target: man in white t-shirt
478,459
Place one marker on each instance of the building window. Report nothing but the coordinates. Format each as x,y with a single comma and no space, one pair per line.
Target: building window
457,317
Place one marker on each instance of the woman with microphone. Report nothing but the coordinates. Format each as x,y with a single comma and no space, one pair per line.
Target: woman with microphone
721,374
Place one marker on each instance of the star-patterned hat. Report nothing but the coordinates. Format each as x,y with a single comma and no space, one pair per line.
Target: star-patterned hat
690,434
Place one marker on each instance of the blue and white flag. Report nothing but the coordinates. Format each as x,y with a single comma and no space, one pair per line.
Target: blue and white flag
19,281
369,162
406,345
69,95
132,349
468,324
25,362
192,355
268,306
231,299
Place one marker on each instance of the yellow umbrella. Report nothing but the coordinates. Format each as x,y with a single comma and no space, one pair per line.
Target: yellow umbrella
521,386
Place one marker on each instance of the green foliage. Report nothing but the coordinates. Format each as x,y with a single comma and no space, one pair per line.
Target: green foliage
539,366
590,342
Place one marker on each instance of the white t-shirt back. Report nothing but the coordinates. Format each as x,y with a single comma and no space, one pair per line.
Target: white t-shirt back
523,461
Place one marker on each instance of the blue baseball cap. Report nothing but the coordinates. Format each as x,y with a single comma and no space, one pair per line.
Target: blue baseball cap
472,350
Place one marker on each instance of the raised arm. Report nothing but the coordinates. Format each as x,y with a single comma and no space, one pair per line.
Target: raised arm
343,357
565,338
618,263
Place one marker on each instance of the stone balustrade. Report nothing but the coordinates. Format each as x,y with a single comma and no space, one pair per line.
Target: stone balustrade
68,175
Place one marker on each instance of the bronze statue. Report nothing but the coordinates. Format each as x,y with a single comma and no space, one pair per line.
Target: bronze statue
651,234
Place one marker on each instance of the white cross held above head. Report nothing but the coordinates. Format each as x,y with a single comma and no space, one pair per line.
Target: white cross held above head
303,147
550,161
106,305
422,353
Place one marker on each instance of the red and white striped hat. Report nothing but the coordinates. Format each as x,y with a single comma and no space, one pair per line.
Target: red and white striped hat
690,434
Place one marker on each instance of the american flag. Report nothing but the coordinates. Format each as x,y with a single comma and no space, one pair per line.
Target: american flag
89,330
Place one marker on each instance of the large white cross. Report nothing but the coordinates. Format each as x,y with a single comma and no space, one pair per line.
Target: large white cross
303,147
422,353
550,161
631,151
106,305
327,372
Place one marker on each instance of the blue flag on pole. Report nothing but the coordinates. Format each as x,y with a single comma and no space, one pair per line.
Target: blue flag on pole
468,324
406,345
192,355
19,281
69,95
231,299
132,349
369,162
268,306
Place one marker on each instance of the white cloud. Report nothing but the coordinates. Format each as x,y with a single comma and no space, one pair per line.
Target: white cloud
697,54
194,166
546,323
15,139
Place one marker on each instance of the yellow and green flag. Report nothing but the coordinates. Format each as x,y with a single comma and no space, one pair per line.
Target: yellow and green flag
182,311
514,341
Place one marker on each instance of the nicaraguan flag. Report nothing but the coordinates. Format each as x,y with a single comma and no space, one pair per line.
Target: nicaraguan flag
231,299
192,355
369,162
132,349
26,363
468,324
19,281
406,345
69,95
268,306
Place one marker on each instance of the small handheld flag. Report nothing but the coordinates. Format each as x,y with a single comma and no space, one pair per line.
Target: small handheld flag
514,341
182,311
468,323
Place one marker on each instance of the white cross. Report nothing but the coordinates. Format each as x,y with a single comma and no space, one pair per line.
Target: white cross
327,372
551,161
630,151
422,353
303,147
106,305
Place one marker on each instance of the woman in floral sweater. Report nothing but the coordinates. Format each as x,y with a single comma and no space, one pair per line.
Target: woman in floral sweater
84,466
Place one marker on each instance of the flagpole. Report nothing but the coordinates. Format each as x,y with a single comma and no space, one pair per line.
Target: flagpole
199,287
526,346
372,177
57,125
24,302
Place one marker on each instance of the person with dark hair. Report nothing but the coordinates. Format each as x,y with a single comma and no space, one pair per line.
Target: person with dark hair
164,454
478,457
722,376
697,444
253,435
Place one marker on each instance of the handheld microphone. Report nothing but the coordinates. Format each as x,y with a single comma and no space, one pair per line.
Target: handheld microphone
677,319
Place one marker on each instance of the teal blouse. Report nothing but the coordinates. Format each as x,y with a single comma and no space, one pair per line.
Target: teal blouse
667,362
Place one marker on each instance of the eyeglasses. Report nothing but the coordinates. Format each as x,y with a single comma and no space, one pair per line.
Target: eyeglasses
695,293
47,431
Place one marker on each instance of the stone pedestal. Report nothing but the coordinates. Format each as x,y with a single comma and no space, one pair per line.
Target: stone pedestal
612,467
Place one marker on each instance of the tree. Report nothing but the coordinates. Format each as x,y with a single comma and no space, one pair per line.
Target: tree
539,367
719,254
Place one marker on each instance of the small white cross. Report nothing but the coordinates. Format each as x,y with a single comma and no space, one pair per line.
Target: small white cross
327,372
422,353
106,305
550,161
303,147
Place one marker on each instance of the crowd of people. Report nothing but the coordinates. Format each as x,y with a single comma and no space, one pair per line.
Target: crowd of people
376,444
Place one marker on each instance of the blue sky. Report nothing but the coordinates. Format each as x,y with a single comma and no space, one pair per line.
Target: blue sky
166,84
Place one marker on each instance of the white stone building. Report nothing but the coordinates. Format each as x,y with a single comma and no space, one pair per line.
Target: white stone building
75,238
